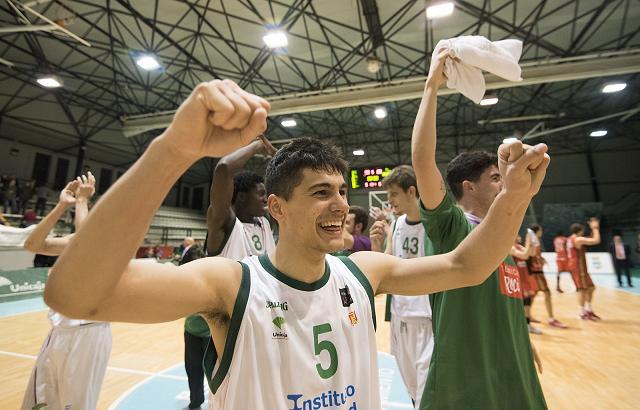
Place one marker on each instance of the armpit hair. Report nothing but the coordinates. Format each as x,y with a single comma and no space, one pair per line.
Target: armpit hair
217,319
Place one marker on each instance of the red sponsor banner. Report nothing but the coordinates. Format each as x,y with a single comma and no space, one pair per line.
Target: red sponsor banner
510,281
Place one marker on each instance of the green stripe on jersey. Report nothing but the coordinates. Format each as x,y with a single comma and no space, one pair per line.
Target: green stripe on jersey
296,284
211,354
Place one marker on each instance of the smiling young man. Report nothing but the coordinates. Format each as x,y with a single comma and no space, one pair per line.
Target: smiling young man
297,325
482,356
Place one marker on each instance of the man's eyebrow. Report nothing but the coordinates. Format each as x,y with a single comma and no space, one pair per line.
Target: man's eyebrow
319,185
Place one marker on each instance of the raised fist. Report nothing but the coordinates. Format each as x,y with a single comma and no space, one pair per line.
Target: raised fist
523,168
217,118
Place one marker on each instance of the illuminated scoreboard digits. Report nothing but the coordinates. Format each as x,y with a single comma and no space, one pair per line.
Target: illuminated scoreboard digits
368,178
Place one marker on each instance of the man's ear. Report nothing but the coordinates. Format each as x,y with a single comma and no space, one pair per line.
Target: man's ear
276,207
467,186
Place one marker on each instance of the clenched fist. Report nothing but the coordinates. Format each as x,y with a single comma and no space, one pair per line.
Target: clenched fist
217,118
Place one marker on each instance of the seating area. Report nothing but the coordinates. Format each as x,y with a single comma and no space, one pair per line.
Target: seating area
170,225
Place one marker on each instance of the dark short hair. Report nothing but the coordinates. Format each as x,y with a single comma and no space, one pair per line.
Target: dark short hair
362,217
468,166
244,181
284,171
403,176
575,228
535,227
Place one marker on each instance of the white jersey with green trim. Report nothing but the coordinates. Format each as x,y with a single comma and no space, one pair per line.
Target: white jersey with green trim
248,238
293,345
409,242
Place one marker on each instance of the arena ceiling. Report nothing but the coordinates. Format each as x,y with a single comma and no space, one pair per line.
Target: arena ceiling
572,48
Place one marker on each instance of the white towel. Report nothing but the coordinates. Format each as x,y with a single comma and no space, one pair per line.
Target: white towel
474,54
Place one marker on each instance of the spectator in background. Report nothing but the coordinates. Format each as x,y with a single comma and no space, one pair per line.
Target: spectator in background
191,251
157,252
10,189
149,253
29,218
621,252
355,226
41,202
25,193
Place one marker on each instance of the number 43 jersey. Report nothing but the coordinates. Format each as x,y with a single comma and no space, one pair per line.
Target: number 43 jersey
410,241
295,345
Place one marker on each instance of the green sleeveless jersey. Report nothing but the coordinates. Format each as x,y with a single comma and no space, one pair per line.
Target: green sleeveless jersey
482,357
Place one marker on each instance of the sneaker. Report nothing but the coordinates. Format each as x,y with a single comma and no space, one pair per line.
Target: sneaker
557,323
585,316
532,320
593,316
534,330
559,290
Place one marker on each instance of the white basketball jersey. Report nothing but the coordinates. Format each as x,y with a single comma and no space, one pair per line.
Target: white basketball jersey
249,238
293,345
409,242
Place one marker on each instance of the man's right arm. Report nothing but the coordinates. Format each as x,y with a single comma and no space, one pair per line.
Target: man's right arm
220,216
594,239
38,241
94,278
431,185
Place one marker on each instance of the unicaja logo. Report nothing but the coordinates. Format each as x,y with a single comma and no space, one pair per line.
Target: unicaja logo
278,321
27,287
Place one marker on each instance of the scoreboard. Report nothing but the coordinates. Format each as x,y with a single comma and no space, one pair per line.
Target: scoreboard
368,178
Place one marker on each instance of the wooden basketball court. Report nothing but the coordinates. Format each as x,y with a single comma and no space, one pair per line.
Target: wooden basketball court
591,365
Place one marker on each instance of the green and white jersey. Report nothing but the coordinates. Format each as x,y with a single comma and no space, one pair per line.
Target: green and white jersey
410,241
245,239
248,238
295,345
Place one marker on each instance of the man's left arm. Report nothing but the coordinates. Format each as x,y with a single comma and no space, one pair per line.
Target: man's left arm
523,169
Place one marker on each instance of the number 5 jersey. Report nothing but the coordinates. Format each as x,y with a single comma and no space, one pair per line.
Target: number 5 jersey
295,345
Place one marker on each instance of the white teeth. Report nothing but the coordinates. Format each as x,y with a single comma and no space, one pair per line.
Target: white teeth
331,224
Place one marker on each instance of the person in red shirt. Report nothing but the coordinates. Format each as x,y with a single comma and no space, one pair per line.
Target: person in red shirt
576,245
535,264
560,246
528,283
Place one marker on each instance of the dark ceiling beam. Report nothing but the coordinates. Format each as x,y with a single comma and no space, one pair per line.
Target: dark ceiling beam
504,25
372,17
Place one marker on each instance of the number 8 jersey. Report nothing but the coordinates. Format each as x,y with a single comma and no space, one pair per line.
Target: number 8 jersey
294,345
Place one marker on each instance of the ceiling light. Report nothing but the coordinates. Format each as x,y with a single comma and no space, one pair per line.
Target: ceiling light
614,88
510,140
288,123
380,113
275,39
598,133
373,64
50,81
358,152
489,100
439,10
147,62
